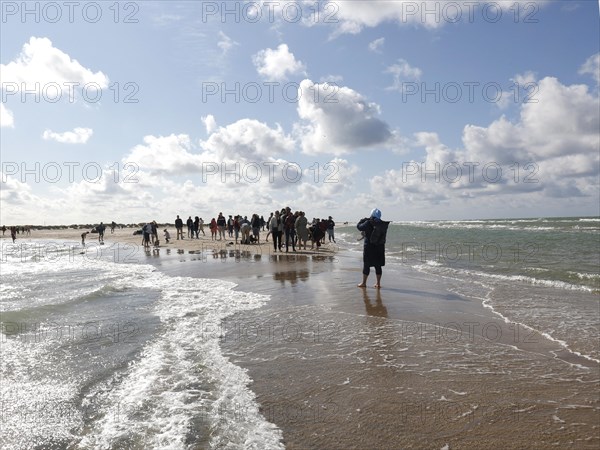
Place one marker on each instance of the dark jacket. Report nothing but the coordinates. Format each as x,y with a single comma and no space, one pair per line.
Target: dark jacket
366,226
373,255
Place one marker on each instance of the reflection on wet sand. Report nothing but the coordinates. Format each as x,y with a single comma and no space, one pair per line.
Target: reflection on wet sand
292,276
377,309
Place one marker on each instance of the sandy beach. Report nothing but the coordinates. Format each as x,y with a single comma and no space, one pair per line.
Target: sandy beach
124,240
412,365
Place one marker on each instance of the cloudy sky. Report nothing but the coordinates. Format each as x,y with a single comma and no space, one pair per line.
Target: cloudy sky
133,111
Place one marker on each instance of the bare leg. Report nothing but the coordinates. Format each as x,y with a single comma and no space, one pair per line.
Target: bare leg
364,281
378,284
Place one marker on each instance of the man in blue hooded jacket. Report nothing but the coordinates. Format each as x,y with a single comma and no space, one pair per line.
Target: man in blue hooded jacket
373,253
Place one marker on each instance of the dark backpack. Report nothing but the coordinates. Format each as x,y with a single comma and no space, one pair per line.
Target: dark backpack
379,232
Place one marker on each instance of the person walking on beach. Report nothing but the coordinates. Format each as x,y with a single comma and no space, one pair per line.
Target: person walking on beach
201,225
83,235
3,230
374,230
179,227
113,225
100,229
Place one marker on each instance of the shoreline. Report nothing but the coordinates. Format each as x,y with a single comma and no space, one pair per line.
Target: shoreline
336,366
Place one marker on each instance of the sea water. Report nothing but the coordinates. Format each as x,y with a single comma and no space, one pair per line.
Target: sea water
100,353
542,273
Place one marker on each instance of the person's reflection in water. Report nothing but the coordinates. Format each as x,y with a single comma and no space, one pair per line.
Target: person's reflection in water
374,309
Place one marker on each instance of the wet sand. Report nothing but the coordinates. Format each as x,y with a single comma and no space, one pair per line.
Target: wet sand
409,366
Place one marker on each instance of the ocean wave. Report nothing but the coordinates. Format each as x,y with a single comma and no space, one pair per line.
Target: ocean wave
182,385
467,273
179,389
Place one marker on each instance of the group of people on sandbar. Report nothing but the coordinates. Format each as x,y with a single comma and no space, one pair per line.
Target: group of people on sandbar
294,226
297,230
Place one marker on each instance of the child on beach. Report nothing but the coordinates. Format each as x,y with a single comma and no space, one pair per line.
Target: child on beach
167,236
213,229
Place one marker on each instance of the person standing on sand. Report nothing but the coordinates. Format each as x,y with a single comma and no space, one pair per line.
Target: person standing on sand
230,226
301,230
3,230
190,227
201,224
373,253
245,230
274,224
221,224
268,224
146,232
290,231
196,229
83,235
213,229
236,227
179,227
330,226
154,226
256,227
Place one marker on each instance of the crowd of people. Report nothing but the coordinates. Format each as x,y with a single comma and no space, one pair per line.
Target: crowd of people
293,226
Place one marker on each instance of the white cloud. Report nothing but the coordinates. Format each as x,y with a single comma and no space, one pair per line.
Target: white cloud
276,65
376,45
552,151
403,72
225,43
6,117
248,140
77,136
353,16
41,62
331,79
14,193
209,123
244,144
338,120
170,155
592,67
524,79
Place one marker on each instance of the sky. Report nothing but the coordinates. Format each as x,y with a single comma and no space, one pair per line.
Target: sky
137,111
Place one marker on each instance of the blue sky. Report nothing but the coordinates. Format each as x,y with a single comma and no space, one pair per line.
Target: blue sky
346,129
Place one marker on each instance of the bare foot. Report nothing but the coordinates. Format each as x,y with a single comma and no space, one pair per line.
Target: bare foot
362,285
377,286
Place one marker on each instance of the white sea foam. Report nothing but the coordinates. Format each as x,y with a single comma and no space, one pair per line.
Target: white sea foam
180,388
162,386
